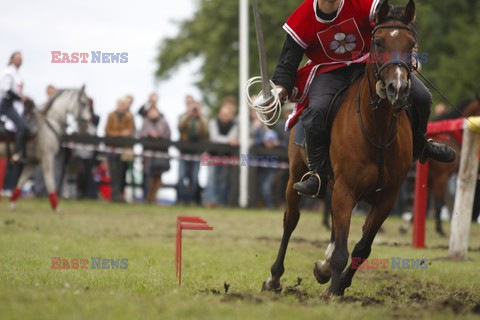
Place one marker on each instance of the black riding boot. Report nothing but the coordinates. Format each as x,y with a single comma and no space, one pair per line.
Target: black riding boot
424,149
315,185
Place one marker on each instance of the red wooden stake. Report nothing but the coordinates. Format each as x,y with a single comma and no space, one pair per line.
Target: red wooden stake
420,205
192,223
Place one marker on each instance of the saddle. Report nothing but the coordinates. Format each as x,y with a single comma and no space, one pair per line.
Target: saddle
333,109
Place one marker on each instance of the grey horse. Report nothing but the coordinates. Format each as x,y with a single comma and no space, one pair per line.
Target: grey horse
51,123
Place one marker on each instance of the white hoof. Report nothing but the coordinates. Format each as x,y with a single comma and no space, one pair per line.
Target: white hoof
270,285
13,206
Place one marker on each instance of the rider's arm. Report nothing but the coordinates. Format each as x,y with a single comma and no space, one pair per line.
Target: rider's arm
286,71
6,84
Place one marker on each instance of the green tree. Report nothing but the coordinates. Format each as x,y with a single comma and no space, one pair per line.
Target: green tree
448,32
212,34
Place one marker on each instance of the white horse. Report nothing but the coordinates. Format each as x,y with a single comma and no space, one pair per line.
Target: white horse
43,147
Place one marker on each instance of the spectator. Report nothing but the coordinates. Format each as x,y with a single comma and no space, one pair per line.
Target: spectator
154,127
152,101
119,124
223,129
129,159
51,90
193,127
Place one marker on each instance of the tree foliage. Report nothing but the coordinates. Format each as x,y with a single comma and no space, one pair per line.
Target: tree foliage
449,32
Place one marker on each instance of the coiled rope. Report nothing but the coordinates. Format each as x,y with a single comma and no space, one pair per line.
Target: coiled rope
269,113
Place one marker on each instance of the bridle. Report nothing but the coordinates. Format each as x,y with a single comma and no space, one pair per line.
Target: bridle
375,101
377,68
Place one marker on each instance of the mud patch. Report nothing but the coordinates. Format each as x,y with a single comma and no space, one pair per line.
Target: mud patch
232,297
453,303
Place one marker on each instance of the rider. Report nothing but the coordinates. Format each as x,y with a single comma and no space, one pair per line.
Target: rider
11,102
335,36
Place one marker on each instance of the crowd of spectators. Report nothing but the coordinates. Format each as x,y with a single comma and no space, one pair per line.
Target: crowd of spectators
106,175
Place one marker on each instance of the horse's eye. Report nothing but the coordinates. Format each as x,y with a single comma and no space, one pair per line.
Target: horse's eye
378,42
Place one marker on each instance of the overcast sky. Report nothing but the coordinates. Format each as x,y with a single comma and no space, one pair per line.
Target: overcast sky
38,27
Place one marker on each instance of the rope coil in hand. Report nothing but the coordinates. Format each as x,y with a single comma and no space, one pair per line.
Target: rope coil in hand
269,113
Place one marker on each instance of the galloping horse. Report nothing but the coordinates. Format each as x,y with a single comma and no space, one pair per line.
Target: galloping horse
51,125
370,153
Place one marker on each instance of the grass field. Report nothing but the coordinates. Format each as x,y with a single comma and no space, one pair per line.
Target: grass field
238,252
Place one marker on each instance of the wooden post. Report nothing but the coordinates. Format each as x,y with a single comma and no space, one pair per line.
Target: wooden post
420,205
467,178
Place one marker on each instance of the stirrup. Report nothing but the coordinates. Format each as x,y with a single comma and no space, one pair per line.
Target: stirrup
305,177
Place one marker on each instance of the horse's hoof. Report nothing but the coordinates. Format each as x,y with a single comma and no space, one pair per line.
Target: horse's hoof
271,285
13,206
321,271
329,294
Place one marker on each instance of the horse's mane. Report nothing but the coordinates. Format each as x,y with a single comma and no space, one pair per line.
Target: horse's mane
52,99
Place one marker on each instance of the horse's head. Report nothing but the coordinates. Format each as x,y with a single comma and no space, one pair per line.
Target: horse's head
79,107
394,40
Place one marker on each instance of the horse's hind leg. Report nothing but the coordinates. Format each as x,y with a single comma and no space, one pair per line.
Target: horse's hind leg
438,204
290,220
373,222
26,173
49,177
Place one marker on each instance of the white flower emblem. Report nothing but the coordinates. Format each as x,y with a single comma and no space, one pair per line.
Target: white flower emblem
342,43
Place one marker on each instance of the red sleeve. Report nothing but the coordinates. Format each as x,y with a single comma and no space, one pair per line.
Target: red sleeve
300,25
366,8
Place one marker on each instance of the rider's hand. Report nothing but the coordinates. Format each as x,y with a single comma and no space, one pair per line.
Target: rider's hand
24,99
283,94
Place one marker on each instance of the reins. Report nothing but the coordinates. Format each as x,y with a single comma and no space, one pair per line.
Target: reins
375,101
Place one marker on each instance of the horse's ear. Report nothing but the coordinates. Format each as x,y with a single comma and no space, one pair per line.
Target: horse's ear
410,12
383,11
82,89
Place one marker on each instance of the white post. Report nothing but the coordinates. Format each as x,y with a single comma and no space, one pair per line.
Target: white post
243,115
462,210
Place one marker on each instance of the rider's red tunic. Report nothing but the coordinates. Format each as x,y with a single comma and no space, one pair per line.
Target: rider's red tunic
328,45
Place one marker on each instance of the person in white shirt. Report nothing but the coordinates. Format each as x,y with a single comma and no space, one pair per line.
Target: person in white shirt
11,102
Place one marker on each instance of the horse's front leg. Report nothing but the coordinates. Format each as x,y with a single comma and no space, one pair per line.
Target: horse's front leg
375,218
49,177
343,202
290,220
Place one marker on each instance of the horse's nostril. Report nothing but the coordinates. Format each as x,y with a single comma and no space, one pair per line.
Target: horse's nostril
391,88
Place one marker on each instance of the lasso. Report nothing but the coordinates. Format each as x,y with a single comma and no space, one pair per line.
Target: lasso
267,113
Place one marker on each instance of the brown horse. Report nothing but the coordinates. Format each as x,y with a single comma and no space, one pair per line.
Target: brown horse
370,153
440,172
